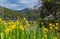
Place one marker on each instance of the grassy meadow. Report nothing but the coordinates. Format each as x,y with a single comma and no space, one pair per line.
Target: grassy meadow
23,29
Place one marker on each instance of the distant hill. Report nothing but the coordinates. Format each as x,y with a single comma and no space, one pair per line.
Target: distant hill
28,13
5,12
1,11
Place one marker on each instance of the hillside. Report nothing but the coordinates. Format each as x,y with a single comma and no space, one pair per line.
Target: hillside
1,12
5,12
29,14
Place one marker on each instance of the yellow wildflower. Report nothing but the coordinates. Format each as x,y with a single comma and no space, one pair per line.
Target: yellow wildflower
26,21
13,26
53,25
56,27
0,19
34,32
45,35
50,24
55,38
57,24
24,18
21,27
34,37
51,28
11,23
45,29
8,30
17,22
5,23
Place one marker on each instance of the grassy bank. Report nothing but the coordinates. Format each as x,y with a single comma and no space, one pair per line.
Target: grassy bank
23,29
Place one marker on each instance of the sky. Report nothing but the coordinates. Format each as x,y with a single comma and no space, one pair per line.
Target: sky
19,4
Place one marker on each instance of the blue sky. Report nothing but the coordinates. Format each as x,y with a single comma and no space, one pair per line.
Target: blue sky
18,4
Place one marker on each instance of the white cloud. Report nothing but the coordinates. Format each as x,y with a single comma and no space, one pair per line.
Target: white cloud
18,1
14,6
4,1
19,4
11,6
27,1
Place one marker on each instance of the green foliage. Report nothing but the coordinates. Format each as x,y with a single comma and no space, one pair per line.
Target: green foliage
57,20
49,0
40,20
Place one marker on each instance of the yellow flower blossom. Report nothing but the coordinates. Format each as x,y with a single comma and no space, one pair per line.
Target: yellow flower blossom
5,23
24,18
50,24
11,23
17,22
8,30
53,25
0,19
45,35
56,27
34,37
51,28
34,32
21,27
57,24
27,23
13,26
45,29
